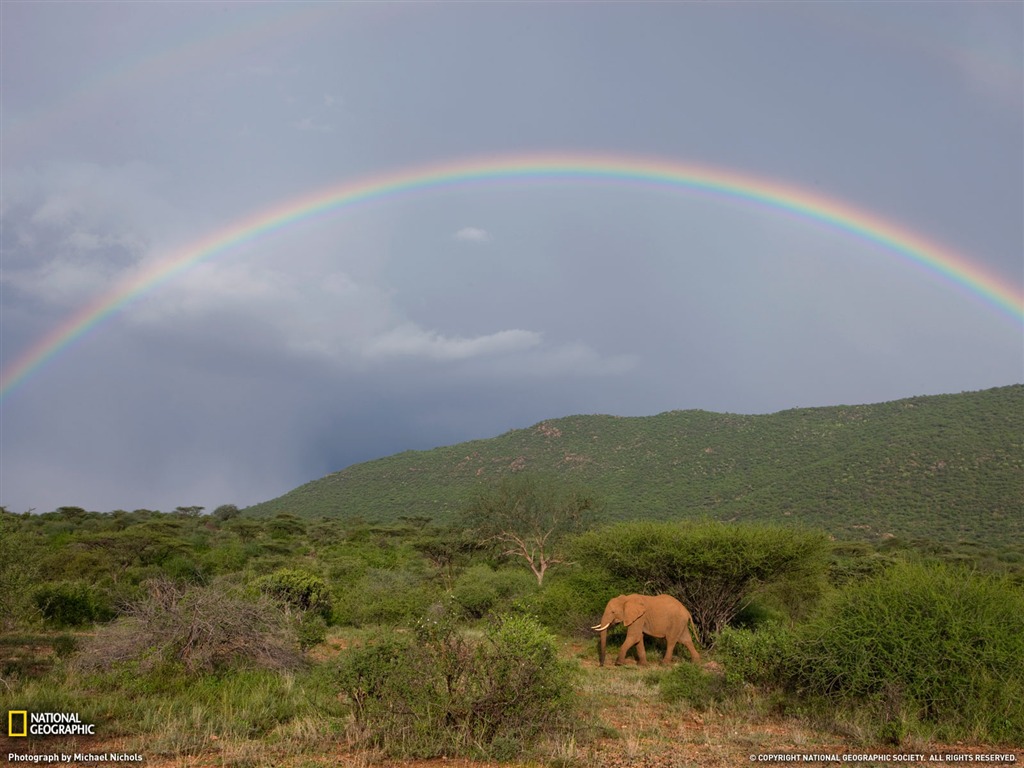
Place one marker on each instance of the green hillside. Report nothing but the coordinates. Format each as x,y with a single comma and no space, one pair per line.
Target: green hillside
937,467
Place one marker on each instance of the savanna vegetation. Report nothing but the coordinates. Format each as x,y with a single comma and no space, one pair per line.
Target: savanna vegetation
943,468
284,639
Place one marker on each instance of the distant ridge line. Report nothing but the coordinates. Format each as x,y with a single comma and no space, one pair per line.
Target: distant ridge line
933,465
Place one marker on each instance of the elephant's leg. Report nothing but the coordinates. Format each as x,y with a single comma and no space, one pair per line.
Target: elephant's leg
641,652
688,642
670,646
631,639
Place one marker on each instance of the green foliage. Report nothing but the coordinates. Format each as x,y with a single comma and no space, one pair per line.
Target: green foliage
384,597
571,599
715,569
299,590
180,714
284,526
70,604
929,647
441,694
759,656
945,467
184,568
693,685
525,517
853,561
18,567
480,590
226,512
228,557
310,630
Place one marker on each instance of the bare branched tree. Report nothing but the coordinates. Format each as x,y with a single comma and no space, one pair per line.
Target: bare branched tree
527,516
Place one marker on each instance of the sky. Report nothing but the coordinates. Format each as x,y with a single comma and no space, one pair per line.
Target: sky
136,134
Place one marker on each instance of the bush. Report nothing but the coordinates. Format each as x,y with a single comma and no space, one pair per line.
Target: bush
19,564
183,568
926,647
570,600
298,590
694,685
200,629
384,597
715,569
441,694
481,590
755,656
71,604
310,630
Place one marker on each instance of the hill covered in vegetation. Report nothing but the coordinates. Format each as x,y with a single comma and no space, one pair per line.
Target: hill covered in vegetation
938,467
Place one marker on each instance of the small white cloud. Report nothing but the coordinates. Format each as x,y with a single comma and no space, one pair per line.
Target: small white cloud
473,235
550,361
412,341
309,124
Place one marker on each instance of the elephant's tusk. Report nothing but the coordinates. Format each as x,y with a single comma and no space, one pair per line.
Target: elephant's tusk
601,627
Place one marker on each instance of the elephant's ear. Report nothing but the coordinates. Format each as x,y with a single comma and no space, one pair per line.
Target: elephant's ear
634,610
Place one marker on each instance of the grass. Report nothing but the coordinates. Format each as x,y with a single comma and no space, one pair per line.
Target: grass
165,715
253,719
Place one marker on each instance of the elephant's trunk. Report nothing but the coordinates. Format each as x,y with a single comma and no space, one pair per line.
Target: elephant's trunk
603,629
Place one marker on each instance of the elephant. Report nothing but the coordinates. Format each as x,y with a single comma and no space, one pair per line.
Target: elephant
661,616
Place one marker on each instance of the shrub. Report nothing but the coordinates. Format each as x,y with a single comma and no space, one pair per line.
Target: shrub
715,569
298,590
924,646
19,564
183,568
200,629
480,589
226,512
442,694
570,600
694,685
71,604
755,656
310,630
384,597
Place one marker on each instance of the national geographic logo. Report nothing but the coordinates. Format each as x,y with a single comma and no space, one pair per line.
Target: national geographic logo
17,723
21,722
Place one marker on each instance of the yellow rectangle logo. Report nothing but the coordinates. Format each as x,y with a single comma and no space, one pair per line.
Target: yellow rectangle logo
14,716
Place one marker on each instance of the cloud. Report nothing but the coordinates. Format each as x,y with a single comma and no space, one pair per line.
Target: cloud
409,340
572,359
308,124
473,235
72,229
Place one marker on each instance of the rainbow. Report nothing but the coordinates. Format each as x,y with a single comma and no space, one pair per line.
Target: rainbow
534,169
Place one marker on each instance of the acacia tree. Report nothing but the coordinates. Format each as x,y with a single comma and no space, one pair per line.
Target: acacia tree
445,549
527,517
715,569
226,512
